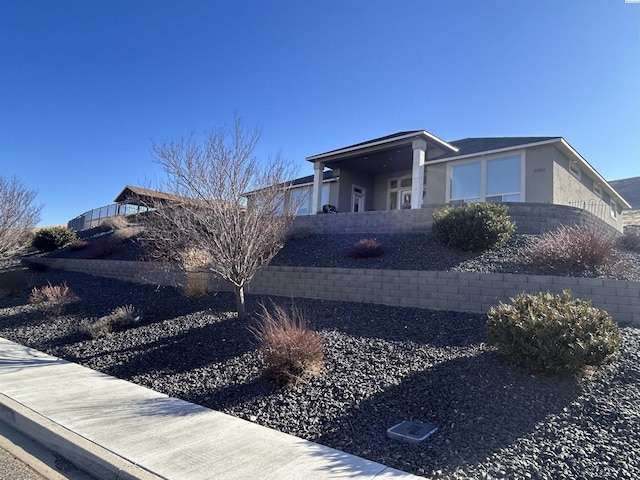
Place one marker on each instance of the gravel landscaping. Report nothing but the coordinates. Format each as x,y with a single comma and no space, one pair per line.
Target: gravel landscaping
383,365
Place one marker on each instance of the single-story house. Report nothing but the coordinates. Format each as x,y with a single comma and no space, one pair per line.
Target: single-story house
415,168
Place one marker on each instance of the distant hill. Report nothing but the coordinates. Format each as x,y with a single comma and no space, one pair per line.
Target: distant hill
629,188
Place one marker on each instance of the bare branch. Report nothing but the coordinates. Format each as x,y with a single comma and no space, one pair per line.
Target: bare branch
212,225
18,214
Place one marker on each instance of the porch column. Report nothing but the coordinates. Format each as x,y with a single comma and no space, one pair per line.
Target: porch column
417,175
316,193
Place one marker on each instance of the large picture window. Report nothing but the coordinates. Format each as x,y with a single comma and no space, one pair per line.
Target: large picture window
302,196
492,180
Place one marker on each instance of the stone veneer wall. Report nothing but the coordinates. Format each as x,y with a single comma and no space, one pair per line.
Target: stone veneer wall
530,218
458,291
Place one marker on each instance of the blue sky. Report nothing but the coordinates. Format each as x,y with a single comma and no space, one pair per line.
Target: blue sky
87,85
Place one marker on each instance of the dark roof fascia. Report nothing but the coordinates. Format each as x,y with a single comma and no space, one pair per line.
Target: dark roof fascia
327,176
383,142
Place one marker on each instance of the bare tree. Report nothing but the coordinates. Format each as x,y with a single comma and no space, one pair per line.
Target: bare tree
208,220
18,214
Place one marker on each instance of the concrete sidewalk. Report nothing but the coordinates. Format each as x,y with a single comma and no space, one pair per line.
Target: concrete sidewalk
114,429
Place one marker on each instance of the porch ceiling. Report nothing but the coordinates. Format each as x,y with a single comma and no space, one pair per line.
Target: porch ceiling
377,162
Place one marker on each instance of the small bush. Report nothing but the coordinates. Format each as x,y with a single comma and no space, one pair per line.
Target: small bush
553,333
366,248
115,223
79,245
121,317
472,226
14,282
290,351
51,299
570,250
50,239
195,259
197,285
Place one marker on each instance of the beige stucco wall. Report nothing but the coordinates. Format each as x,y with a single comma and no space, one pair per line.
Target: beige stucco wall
436,183
569,190
538,174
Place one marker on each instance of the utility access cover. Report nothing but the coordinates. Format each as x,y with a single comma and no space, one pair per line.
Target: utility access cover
411,431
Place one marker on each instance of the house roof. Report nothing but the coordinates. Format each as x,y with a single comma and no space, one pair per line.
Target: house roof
468,146
138,196
386,141
328,175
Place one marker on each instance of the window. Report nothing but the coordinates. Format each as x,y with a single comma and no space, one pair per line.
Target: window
399,192
575,169
614,209
465,182
302,196
491,180
597,190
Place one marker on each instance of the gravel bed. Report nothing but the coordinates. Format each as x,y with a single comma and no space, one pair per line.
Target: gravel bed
383,365
421,252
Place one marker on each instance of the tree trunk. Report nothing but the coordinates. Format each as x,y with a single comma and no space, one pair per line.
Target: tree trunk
240,306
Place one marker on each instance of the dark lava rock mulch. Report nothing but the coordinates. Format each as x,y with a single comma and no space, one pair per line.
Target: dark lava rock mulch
414,251
383,365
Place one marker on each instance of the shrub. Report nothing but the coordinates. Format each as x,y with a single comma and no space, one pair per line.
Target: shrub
78,245
366,248
51,299
472,226
570,250
290,351
103,327
553,333
195,259
52,238
14,282
117,222
197,285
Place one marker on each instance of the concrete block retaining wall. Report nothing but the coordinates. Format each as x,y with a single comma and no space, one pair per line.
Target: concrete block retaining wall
458,291
530,218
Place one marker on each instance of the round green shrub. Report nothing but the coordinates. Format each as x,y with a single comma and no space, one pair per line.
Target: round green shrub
52,238
553,333
472,226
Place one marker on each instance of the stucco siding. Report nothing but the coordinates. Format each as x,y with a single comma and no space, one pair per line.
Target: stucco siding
569,190
538,171
347,180
436,183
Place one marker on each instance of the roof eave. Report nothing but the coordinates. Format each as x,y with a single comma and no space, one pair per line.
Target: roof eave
364,146
495,150
610,190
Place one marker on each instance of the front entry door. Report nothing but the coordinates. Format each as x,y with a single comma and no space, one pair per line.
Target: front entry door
405,199
357,204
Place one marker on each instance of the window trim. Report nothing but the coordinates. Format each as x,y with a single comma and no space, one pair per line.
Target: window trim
483,174
597,190
577,172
